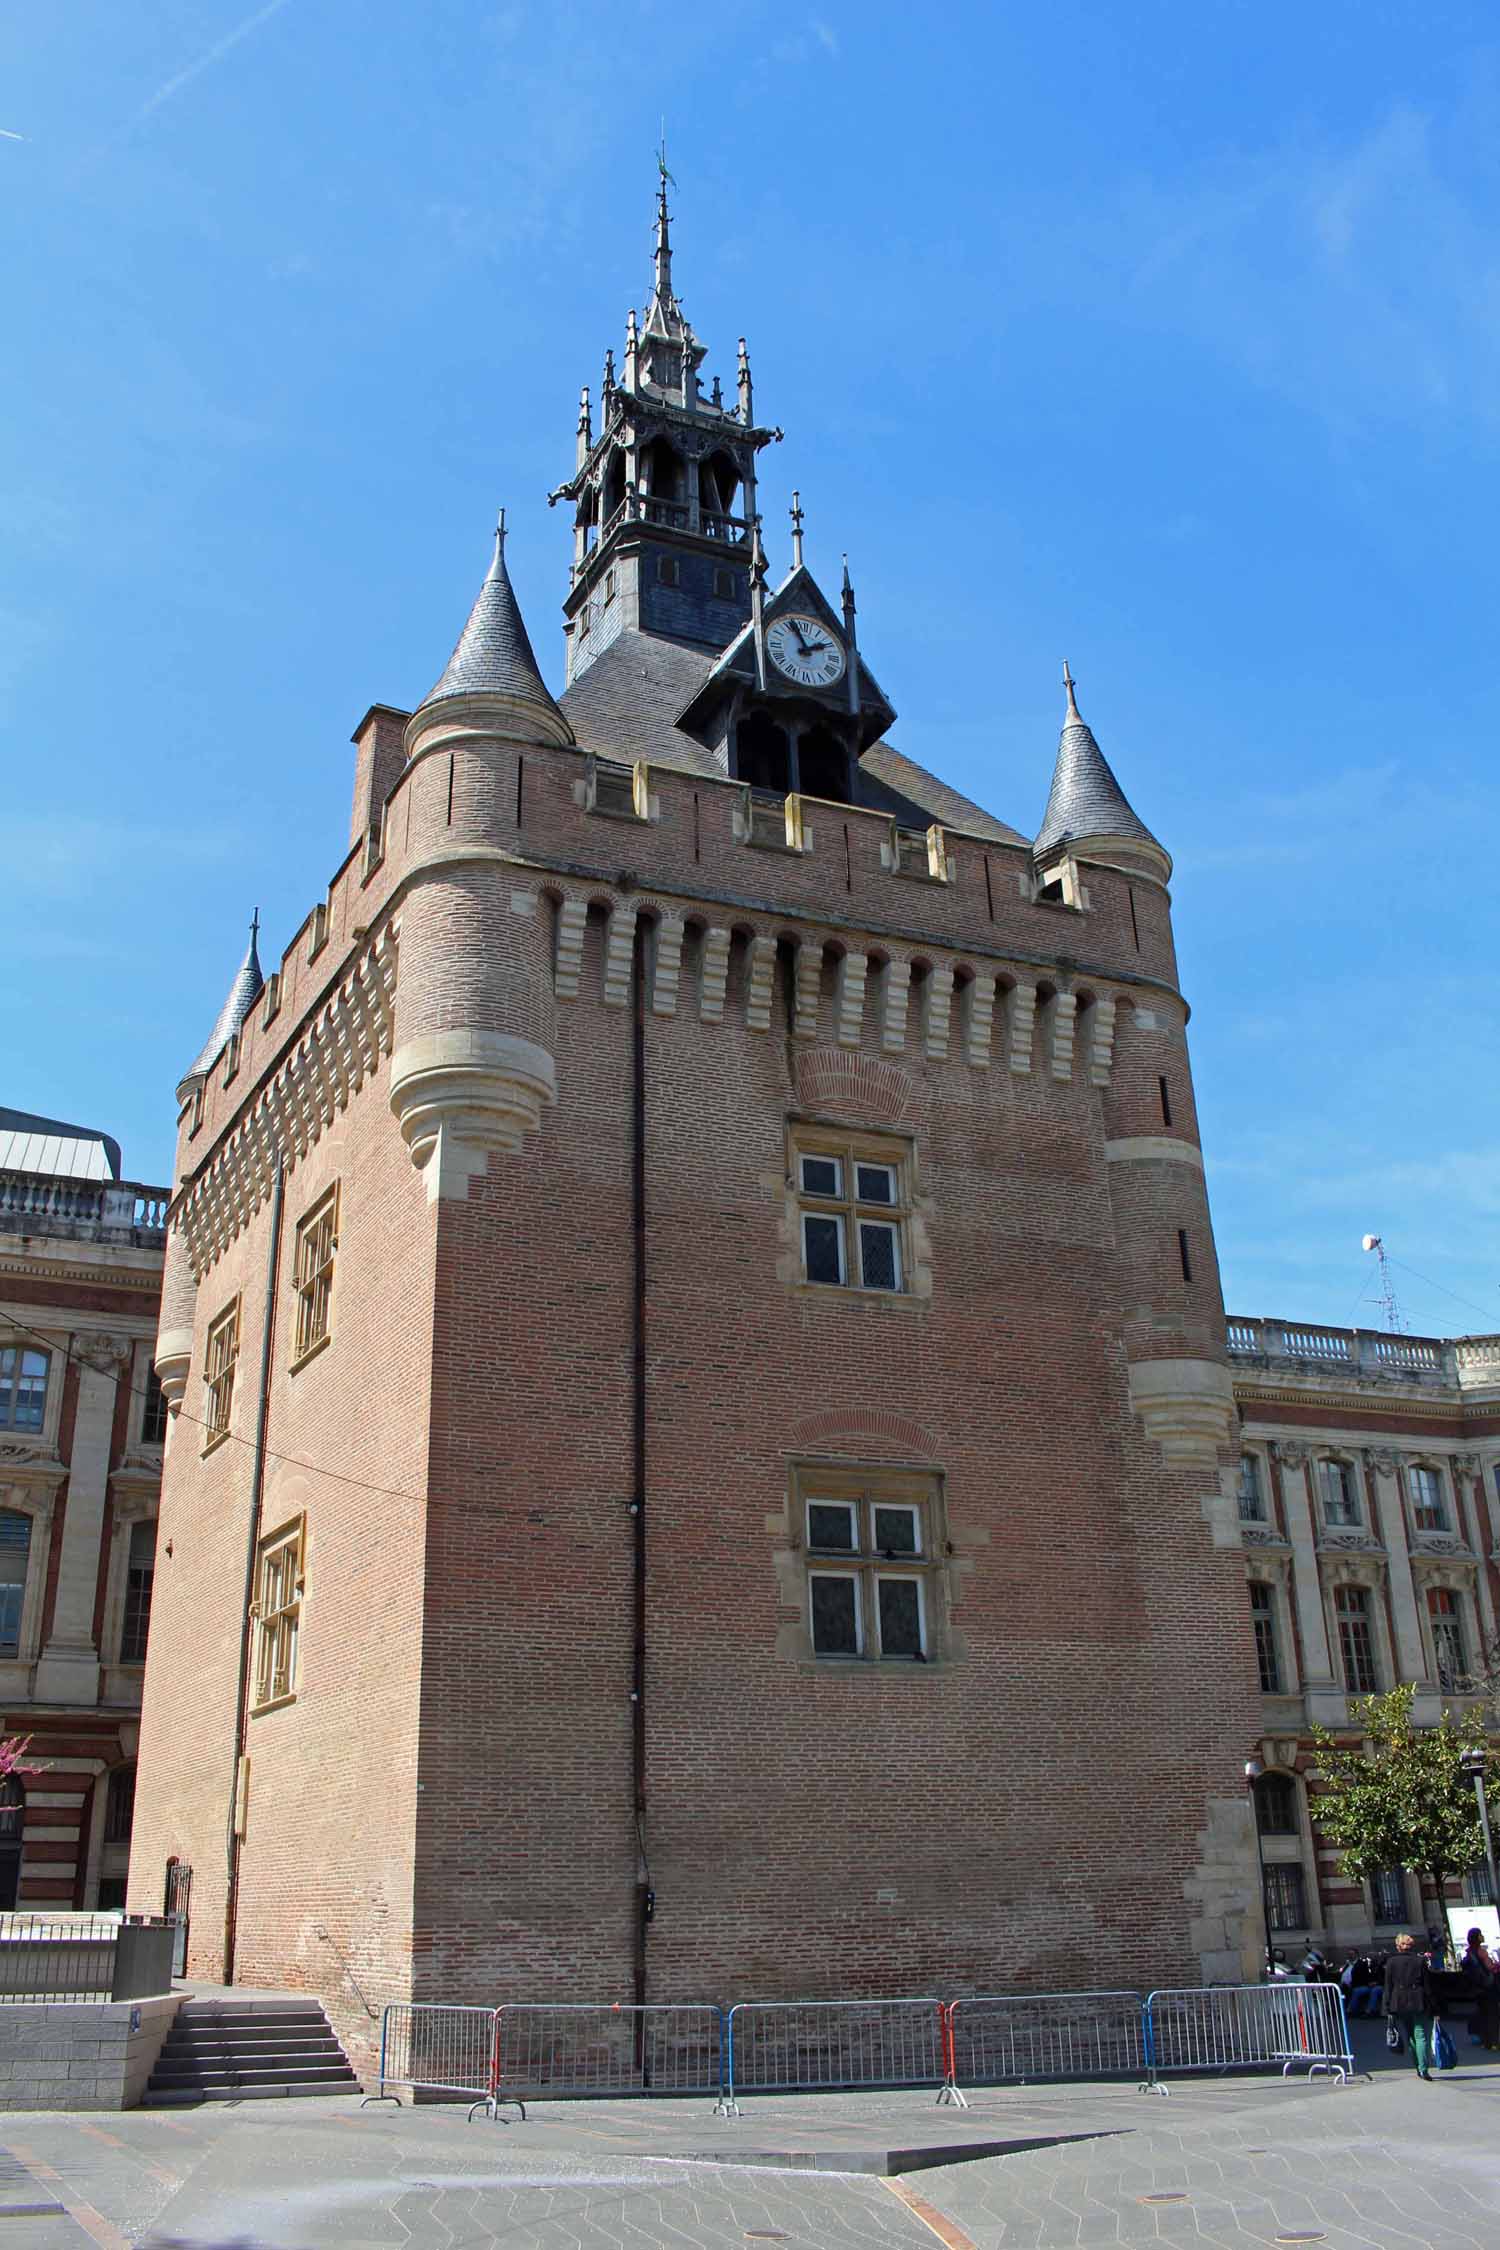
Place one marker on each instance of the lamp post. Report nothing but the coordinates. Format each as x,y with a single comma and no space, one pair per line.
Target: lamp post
1473,1765
1253,1772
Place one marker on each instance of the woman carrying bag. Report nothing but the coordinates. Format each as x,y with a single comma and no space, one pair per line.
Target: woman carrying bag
1408,1997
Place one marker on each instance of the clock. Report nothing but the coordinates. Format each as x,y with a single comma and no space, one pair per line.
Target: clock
804,650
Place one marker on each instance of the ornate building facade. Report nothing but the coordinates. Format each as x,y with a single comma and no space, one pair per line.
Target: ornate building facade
1369,1513
703,1451
82,1424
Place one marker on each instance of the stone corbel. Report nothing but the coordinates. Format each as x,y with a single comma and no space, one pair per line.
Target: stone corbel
1288,1452
1187,1407
173,1359
106,1355
458,1094
1381,1459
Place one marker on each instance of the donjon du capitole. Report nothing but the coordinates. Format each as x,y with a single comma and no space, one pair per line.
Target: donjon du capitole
703,1458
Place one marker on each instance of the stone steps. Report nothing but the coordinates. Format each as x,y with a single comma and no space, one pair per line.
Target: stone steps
246,2050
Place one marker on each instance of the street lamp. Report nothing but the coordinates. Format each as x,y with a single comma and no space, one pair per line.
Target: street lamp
1254,1771
1473,1764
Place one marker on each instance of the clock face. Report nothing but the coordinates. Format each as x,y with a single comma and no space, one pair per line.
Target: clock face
804,650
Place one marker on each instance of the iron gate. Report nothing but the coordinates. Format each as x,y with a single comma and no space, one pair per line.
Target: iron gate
175,1906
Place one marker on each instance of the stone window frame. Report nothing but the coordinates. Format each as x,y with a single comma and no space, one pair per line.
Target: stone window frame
218,1430
1332,1457
869,1486
275,1628
127,1510
1274,1572
26,1346
1256,1461
1356,1581
1256,1583
1291,1847
314,1270
851,1146
55,1342
1401,1920
37,1502
1426,1465
1458,1584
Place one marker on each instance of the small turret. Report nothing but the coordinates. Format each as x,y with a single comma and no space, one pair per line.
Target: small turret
246,989
1087,811
491,683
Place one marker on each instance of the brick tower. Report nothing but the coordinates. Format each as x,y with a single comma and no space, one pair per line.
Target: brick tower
701,1449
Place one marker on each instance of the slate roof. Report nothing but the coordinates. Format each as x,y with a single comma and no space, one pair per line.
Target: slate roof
61,1151
243,993
493,654
1086,799
895,784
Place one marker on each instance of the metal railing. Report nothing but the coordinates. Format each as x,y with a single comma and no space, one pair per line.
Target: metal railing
576,2049
807,2046
1247,2027
82,1957
437,2049
1035,2035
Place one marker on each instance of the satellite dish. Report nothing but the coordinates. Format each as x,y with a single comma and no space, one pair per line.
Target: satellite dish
1370,1242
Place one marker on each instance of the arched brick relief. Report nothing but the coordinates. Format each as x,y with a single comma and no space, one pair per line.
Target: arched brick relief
845,1422
854,1087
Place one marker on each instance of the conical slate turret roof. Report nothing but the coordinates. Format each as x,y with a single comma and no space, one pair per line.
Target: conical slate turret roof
493,656
1086,799
243,993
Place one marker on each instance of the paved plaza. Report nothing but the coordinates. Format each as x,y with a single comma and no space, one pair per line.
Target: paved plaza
1384,2164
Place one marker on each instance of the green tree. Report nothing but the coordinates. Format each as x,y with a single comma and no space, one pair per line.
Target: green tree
1397,1797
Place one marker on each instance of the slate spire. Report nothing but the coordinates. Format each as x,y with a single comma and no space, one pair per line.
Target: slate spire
1086,799
246,989
493,657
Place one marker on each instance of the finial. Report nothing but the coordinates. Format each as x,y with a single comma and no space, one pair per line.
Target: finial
796,531
848,588
609,372
663,225
717,394
1073,710
757,553
254,926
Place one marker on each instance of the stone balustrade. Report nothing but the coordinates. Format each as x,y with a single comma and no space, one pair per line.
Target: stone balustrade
1456,1363
121,1211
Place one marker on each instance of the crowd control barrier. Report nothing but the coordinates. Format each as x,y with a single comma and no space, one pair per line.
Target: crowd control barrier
1038,2035
439,2050
577,2049
804,2046
1247,2027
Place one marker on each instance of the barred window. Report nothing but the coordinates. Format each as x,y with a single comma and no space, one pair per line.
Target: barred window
23,1387
1429,1509
317,1240
218,1375
15,1553
278,1613
1445,1618
1479,1887
1286,1898
119,1805
1388,1896
853,1203
1263,1622
1340,1499
1252,1497
140,1577
1356,1640
870,1566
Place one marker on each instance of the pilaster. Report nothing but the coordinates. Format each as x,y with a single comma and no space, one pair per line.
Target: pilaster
68,1668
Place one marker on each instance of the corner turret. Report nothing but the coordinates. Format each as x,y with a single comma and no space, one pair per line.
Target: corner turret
249,983
491,684
1087,814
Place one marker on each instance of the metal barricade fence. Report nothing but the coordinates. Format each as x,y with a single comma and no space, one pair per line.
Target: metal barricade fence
1247,2027
436,2049
1034,2035
574,2048
801,2046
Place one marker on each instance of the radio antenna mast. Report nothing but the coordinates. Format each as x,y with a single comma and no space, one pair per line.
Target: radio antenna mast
1389,1306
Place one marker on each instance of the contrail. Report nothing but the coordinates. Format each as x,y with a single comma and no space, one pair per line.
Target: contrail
206,61
6,135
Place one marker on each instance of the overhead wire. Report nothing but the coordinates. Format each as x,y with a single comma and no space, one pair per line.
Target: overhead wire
285,1460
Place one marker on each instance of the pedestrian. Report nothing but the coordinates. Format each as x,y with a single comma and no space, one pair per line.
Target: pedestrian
1481,1971
1408,1996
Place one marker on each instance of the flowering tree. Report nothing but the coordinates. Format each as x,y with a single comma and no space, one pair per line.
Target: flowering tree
1398,1797
12,1748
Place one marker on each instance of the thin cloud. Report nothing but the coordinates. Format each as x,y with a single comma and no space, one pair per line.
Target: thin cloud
174,85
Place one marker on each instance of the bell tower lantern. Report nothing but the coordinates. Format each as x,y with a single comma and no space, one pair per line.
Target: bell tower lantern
664,494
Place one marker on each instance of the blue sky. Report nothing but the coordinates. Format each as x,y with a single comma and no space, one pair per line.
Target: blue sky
1165,338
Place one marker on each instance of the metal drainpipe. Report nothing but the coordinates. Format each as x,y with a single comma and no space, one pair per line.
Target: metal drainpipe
257,1487
645,1896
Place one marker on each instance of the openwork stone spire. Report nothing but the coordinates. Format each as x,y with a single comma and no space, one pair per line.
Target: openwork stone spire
246,989
1087,803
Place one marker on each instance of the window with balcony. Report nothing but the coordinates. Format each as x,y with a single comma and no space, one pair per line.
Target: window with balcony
1286,1898
870,1546
1356,1640
1429,1506
1445,1622
853,1209
1276,1805
23,1387
1340,1495
1252,1492
1263,1622
15,1553
140,1577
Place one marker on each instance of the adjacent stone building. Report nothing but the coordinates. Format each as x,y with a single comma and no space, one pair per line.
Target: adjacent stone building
82,1421
1369,1507
703,1456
